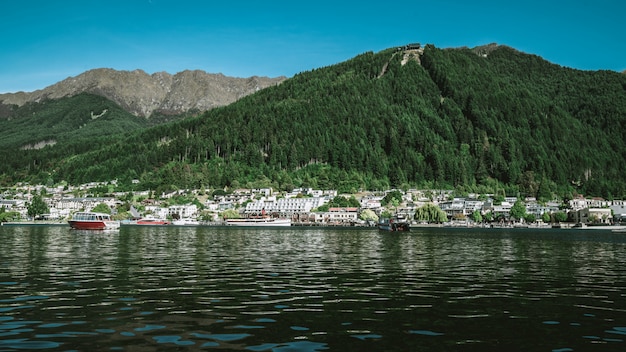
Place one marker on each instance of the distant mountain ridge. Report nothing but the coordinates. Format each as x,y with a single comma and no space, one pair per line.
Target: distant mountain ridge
143,95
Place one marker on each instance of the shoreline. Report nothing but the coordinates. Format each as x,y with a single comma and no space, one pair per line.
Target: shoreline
564,226
34,223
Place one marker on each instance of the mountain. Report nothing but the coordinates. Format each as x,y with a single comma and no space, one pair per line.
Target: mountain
67,120
488,119
143,95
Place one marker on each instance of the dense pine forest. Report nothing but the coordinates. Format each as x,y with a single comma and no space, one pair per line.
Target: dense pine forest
488,119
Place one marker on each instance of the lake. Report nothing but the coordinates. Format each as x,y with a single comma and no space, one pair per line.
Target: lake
311,289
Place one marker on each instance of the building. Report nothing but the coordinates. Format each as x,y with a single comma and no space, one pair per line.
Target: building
453,208
157,211
342,215
334,216
538,209
472,205
183,211
88,203
502,210
284,207
592,215
410,46
581,202
619,212
371,202
17,205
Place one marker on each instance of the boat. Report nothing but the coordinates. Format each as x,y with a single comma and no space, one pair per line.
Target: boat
263,221
149,219
84,220
185,222
619,230
152,221
394,225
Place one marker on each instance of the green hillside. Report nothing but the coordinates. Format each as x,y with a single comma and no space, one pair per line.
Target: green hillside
65,120
68,126
490,119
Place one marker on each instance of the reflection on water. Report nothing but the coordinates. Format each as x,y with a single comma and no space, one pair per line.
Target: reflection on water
161,288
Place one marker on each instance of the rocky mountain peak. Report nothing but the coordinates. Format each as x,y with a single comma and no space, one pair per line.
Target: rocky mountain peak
143,94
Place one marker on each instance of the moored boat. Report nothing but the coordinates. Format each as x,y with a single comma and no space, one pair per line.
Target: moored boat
84,220
185,222
264,221
152,221
393,224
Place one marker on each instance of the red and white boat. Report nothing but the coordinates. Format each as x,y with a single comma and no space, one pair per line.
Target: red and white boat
147,220
84,220
152,221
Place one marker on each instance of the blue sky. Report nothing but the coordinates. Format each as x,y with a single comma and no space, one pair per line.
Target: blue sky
43,42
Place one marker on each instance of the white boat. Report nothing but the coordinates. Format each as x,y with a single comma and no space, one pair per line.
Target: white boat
259,222
185,222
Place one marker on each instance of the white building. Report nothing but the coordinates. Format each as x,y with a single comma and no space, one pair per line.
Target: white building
183,211
343,214
284,206
582,203
211,205
18,205
503,209
538,210
452,208
472,205
157,211
371,202
315,193
336,216
12,204
86,204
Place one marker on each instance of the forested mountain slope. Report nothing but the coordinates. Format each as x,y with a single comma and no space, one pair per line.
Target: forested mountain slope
34,125
491,117
35,137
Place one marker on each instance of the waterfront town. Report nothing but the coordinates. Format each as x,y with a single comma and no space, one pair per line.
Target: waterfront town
304,206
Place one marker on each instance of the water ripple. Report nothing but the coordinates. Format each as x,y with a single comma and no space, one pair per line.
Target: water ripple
309,290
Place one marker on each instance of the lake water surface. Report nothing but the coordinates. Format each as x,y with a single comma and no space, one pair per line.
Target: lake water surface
310,289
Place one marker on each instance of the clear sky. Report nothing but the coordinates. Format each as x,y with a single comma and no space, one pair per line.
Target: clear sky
43,42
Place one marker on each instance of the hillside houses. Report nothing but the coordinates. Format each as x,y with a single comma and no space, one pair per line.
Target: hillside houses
581,202
457,208
371,202
301,205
